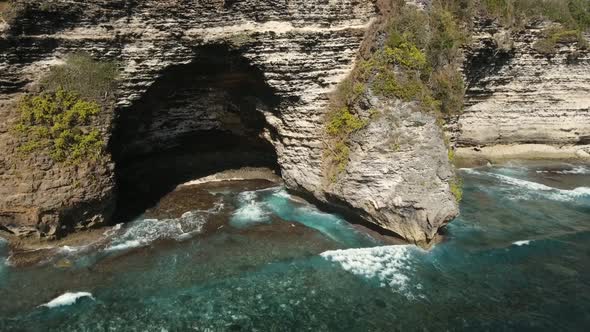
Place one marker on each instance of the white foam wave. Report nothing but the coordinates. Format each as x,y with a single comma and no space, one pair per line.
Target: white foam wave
522,183
127,245
582,191
67,299
113,230
281,192
522,243
577,170
70,249
469,170
253,212
143,232
217,207
250,211
390,265
534,187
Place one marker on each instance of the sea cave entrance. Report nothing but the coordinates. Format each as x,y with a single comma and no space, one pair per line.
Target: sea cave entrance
197,119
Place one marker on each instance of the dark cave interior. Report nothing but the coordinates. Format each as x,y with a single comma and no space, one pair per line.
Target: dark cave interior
195,120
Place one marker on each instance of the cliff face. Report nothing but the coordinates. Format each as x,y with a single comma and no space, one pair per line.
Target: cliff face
208,85
521,103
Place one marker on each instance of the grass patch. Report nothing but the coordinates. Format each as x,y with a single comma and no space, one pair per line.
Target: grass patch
516,13
554,36
59,120
448,89
59,123
397,85
341,125
420,60
88,78
451,155
456,186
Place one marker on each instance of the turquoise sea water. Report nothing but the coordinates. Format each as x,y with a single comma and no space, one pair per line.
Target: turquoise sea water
517,259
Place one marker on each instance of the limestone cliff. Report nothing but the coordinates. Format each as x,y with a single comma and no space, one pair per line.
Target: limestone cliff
521,103
208,85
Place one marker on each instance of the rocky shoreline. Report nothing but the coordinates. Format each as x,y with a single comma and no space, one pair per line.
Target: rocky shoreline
26,251
193,195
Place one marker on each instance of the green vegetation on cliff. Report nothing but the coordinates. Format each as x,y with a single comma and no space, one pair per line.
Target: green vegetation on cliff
553,36
341,125
417,63
573,17
574,14
419,59
58,122
61,120
456,186
90,79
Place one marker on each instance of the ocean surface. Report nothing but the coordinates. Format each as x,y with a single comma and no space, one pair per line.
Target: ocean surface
255,259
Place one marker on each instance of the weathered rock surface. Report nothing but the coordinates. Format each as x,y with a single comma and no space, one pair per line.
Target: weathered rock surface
398,172
517,96
280,59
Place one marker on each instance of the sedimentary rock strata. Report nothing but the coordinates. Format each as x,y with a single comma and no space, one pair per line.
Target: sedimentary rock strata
517,95
209,85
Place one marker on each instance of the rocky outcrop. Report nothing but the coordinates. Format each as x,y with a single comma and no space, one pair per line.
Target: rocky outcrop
195,74
398,174
524,103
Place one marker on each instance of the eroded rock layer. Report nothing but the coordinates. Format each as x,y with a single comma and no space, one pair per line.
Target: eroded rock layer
519,96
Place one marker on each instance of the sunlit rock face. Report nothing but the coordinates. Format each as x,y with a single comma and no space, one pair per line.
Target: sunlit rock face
205,86
518,96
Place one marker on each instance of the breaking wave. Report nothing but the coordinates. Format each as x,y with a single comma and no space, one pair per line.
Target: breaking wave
529,188
143,232
522,243
255,207
67,299
251,211
577,170
391,266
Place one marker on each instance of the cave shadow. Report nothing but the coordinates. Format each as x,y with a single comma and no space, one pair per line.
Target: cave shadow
195,120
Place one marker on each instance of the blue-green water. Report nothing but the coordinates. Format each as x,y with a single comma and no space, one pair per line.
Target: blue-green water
517,259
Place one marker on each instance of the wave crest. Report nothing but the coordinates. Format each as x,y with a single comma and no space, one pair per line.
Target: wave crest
142,232
67,299
390,265
534,187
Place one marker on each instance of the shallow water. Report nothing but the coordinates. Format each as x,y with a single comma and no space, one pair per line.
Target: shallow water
518,258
